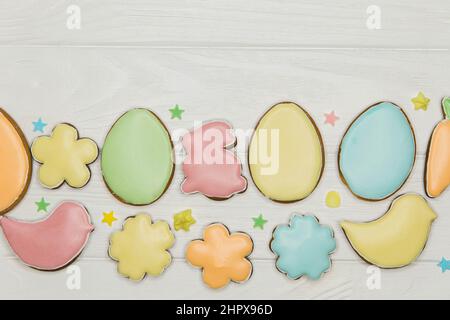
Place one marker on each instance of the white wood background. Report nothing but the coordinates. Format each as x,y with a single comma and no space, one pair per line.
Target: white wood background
229,59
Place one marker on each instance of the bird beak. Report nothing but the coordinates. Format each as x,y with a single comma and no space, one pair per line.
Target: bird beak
432,215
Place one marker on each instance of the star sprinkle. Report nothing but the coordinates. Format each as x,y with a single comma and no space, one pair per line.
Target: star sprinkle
331,118
39,126
183,220
109,218
444,264
176,112
420,102
42,205
259,222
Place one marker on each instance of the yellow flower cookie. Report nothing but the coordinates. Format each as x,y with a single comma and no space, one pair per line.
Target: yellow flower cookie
141,247
64,157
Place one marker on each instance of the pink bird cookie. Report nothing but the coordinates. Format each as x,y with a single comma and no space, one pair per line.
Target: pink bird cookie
210,167
52,243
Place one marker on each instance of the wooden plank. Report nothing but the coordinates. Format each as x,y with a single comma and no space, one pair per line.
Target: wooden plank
227,23
91,87
346,280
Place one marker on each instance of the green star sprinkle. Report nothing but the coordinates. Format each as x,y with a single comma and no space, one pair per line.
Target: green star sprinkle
176,112
42,205
259,222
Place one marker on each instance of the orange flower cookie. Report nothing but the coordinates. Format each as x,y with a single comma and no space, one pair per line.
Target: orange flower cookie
221,255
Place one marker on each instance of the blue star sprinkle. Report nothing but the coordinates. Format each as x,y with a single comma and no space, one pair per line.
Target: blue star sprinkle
444,264
39,126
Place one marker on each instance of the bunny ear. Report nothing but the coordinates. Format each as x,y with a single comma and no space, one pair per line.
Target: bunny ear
225,129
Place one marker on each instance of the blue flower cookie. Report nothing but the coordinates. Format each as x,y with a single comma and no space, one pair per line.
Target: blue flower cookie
303,247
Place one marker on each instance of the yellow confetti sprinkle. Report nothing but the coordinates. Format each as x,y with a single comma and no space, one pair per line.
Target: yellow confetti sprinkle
333,199
183,220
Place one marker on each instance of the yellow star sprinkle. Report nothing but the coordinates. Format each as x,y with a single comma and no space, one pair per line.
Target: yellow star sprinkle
183,220
109,218
420,101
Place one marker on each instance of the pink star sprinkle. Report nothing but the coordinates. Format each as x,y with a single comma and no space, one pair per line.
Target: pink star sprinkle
331,118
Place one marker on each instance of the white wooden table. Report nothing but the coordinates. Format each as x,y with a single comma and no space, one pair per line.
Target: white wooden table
229,59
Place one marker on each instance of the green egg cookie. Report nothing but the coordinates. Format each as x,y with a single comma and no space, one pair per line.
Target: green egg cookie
137,158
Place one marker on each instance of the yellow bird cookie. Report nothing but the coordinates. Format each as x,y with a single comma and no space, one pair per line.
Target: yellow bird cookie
397,238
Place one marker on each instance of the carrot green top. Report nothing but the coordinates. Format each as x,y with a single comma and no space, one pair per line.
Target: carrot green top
446,107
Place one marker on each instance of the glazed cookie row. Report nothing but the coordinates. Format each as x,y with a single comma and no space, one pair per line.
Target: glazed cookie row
285,157
302,247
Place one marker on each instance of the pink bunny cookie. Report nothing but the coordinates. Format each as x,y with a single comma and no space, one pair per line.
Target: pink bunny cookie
209,167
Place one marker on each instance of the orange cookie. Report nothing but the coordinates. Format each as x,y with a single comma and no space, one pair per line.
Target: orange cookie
15,163
437,176
221,255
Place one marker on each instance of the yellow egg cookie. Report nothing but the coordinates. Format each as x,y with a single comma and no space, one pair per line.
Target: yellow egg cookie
286,157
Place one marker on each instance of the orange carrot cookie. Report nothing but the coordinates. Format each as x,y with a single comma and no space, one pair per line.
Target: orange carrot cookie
223,256
437,177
